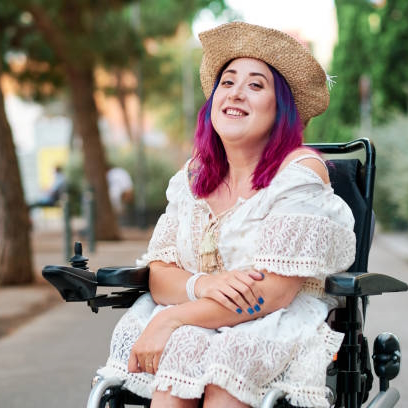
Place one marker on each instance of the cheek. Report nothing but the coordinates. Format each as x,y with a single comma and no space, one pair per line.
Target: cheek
215,108
269,113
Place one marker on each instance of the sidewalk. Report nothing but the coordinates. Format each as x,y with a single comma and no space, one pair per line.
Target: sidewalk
21,303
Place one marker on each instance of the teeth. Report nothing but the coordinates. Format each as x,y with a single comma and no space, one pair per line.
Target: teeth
234,112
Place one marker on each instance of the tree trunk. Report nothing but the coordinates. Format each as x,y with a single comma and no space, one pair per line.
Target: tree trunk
86,118
15,247
121,95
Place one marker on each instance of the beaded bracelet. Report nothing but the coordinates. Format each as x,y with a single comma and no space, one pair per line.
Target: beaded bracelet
190,285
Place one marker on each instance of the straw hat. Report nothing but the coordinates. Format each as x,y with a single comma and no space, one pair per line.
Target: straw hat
305,76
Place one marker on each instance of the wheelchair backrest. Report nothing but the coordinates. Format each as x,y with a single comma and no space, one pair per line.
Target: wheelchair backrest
353,181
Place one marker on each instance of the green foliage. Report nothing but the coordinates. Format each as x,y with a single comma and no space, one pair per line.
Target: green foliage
350,59
328,128
391,189
390,60
74,172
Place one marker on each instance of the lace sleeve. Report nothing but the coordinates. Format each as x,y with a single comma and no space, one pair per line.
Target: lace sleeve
163,244
304,245
309,232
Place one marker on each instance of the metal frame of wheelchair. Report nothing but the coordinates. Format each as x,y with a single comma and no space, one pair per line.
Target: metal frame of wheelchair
350,376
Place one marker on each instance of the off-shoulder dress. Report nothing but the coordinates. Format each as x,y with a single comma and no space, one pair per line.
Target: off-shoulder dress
296,226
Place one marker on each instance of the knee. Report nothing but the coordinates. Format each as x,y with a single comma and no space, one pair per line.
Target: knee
162,399
215,397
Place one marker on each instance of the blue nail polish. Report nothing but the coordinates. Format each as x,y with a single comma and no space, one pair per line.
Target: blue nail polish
250,310
262,274
261,301
239,310
257,308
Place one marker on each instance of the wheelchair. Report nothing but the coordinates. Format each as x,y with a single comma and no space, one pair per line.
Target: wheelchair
349,376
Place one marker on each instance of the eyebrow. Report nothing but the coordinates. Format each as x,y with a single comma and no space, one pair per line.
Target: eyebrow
233,71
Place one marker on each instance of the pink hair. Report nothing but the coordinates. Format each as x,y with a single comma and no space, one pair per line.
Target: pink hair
210,160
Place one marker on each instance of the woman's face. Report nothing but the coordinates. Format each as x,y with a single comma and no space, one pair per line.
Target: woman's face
244,105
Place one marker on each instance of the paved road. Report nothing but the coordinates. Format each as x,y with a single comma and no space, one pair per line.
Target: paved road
388,312
49,362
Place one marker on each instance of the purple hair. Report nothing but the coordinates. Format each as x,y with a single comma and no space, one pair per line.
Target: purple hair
211,165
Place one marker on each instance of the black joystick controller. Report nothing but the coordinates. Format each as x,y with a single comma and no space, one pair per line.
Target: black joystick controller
78,260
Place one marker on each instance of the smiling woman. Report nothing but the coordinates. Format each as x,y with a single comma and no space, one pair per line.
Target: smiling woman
252,228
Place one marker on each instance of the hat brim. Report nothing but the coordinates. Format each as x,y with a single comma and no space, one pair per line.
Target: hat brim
304,75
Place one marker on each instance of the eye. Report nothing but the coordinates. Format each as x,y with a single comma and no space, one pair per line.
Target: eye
256,85
227,82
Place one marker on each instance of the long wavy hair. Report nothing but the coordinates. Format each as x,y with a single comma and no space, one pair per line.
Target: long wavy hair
210,164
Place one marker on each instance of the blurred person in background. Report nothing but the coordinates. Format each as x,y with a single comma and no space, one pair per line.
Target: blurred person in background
52,196
120,187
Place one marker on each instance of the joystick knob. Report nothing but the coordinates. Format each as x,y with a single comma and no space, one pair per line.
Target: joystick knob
78,260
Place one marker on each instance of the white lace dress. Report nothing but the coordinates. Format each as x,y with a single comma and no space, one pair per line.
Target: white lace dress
296,226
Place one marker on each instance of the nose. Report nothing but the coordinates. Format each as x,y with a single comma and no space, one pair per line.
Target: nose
236,93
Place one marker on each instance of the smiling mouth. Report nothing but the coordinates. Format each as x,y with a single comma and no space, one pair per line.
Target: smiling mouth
234,112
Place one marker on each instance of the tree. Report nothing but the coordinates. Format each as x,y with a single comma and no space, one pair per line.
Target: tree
82,34
389,63
351,60
15,249
62,25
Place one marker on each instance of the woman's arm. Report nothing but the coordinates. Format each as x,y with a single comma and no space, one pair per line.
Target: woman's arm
167,283
235,290
277,292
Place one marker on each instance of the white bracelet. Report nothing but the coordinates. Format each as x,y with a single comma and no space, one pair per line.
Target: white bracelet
190,285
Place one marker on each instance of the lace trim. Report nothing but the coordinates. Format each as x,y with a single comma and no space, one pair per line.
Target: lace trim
163,244
224,360
138,383
313,287
196,231
304,396
167,255
181,386
304,245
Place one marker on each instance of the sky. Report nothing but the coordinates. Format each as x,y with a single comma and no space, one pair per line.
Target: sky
313,20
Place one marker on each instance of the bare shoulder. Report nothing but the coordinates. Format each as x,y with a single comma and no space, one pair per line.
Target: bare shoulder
312,161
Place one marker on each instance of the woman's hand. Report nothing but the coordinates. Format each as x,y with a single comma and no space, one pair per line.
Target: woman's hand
146,352
235,290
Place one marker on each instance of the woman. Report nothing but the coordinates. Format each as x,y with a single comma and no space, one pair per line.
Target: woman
238,261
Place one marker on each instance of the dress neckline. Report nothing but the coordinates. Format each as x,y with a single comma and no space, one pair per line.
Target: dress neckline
240,200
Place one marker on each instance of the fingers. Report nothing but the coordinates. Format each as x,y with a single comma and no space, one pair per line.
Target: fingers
156,360
252,291
237,296
235,290
149,366
143,365
133,363
241,293
227,302
258,276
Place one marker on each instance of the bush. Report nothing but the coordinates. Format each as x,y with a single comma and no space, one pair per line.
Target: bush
391,189
74,172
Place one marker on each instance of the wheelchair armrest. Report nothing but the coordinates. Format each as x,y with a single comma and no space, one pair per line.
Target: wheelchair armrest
124,276
74,284
362,284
